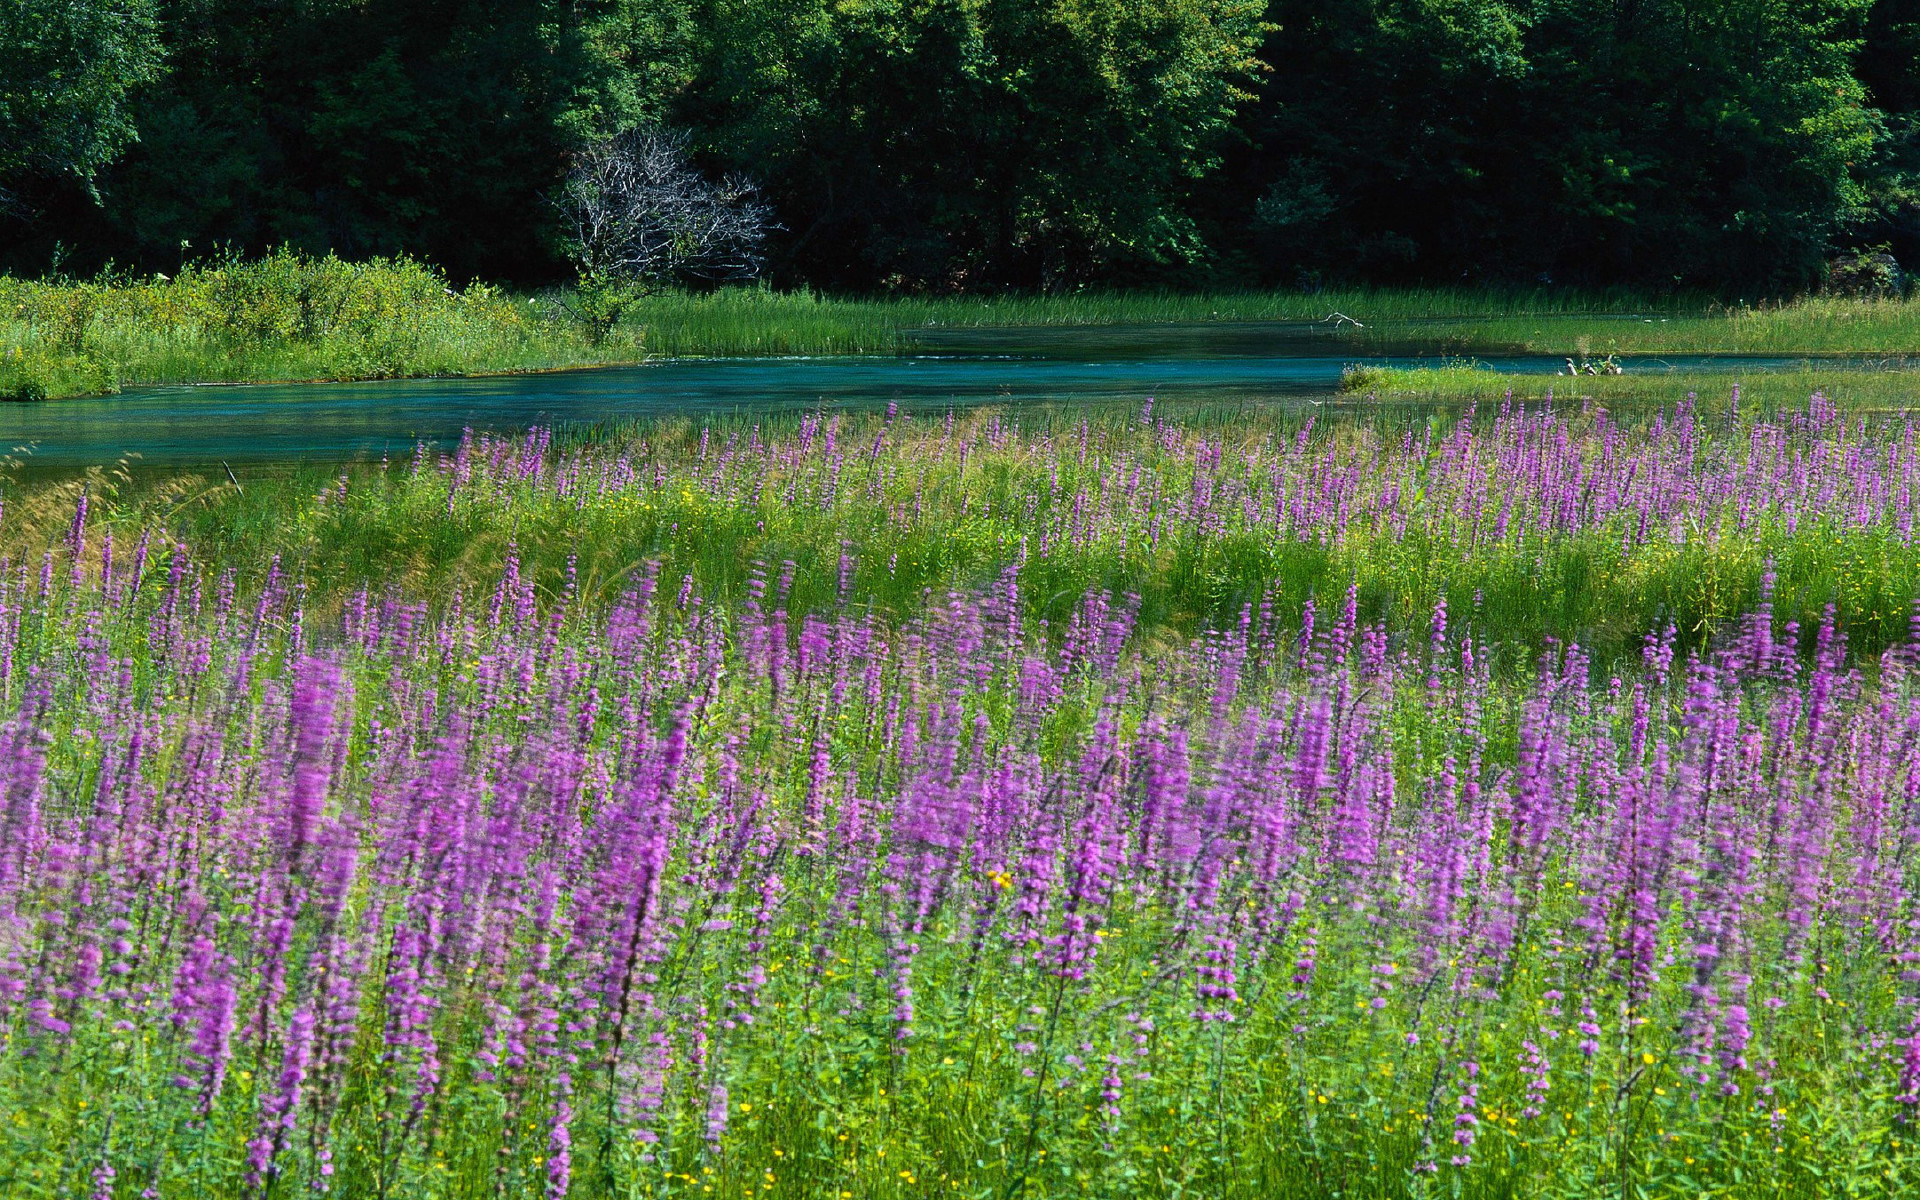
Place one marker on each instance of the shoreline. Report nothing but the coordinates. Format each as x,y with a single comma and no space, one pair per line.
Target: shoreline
80,340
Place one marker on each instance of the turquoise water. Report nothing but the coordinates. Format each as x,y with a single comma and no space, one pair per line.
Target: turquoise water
337,422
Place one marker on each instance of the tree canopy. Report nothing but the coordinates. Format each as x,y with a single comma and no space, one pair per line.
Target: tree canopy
980,144
68,69
1656,141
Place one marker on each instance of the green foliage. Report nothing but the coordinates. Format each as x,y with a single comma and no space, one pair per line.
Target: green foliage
1888,67
986,141
285,316
1008,140
68,69
421,128
1674,142
40,374
599,303
979,144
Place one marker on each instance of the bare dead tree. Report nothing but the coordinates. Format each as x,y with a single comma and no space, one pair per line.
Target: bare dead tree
643,214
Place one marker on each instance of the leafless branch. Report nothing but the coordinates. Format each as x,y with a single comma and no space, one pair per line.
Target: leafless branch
641,212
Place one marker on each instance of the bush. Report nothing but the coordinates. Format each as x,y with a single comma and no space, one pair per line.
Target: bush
1358,378
34,375
26,388
1868,273
285,316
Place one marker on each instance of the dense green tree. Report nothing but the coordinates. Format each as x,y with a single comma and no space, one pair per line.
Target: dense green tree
67,69
1733,144
1658,141
969,142
428,126
1888,68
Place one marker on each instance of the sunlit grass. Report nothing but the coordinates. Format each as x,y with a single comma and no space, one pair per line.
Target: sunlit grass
760,321
284,317
1857,388
946,504
291,318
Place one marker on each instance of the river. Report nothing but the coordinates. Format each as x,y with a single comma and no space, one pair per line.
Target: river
339,422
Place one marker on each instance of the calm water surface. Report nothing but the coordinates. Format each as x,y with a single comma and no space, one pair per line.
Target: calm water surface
338,422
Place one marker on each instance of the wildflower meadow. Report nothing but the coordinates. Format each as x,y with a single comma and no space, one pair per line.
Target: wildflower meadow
1202,823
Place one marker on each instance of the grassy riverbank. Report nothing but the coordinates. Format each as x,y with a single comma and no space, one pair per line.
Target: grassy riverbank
1857,388
1566,526
1361,321
749,321
286,317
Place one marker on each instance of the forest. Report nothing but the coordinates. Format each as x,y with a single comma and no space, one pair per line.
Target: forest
1736,147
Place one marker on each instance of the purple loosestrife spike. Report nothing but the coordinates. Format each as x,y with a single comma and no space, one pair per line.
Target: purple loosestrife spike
1536,1069
1437,649
1216,979
279,1111
1466,1122
317,684
204,1003
717,1108
560,1141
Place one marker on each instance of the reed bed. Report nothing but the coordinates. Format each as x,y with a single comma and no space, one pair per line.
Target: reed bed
1372,320
759,321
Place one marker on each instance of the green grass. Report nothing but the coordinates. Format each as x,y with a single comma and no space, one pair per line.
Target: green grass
288,317
748,321
284,317
1817,325
943,506
1863,389
759,321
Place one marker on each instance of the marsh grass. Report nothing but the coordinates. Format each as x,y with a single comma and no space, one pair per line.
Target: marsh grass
756,321
293,317
760,321
1890,388
1811,326
924,505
